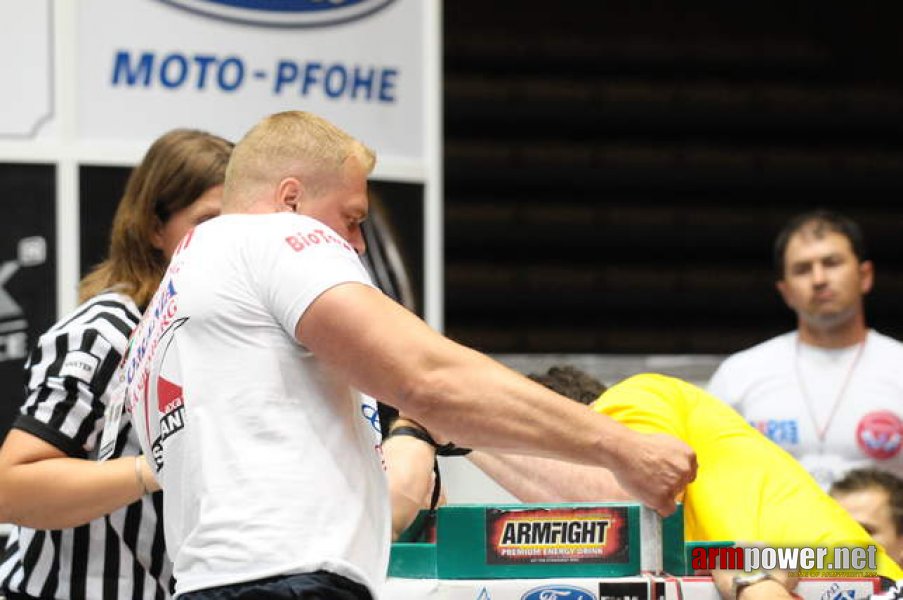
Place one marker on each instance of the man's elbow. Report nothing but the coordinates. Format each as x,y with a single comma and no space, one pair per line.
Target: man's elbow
424,396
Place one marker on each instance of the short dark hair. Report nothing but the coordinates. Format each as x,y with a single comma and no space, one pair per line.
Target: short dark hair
820,222
571,382
871,478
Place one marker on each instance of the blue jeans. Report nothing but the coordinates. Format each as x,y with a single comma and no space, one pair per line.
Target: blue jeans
320,585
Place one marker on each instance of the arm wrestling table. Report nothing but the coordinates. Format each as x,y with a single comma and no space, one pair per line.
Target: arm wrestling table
607,551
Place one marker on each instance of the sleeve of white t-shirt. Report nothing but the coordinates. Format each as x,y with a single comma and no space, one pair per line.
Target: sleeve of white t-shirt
723,384
300,258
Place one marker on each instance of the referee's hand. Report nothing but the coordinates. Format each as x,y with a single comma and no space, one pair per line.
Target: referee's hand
147,476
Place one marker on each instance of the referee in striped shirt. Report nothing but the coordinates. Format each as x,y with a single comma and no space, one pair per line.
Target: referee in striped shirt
89,529
77,357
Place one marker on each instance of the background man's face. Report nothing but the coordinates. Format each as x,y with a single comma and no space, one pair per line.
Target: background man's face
823,280
870,507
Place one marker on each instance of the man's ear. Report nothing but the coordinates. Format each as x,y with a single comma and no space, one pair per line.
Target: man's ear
781,286
866,276
289,193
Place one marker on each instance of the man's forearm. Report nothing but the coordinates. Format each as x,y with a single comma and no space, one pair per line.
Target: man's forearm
537,479
461,395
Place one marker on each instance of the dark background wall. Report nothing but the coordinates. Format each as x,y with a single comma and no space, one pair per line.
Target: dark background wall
616,171
101,187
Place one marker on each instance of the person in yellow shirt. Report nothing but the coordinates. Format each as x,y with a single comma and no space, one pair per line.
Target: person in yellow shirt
747,489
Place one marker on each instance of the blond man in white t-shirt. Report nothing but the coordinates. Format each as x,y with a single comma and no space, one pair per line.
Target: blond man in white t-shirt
243,381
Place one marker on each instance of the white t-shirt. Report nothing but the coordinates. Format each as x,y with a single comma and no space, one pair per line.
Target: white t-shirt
270,463
793,392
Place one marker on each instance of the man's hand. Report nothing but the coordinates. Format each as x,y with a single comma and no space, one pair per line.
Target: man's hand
655,470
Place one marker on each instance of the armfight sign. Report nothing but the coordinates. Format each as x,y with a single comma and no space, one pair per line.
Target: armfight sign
490,542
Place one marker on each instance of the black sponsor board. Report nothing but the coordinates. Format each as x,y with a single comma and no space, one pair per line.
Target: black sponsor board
27,273
632,590
100,189
400,220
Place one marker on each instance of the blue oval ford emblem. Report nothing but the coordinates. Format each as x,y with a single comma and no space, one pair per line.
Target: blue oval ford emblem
283,13
558,592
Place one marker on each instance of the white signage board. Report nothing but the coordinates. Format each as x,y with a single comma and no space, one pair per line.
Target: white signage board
145,66
26,43
94,82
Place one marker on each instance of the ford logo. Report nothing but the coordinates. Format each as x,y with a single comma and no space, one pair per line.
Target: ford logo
283,13
557,592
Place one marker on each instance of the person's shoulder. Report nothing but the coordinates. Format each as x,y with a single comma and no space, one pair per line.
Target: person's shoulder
254,226
656,383
744,368
111,314
885,345
264,220
766,350
647,391
244,230
110,303
649,380
885,342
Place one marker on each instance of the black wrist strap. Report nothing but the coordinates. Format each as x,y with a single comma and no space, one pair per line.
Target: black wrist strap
448,449
414,432
437,489
423,435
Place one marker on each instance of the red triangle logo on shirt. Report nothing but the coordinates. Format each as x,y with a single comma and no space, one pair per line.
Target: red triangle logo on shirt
167,392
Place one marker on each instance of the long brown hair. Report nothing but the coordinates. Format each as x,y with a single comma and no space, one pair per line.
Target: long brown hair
178,168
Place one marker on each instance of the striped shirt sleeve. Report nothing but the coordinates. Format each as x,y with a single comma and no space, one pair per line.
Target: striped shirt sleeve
119,556
68,373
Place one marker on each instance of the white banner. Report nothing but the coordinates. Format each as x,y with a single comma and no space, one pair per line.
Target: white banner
145,66
94,82
26,45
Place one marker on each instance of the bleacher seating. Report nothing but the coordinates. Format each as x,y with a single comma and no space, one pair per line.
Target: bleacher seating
615,172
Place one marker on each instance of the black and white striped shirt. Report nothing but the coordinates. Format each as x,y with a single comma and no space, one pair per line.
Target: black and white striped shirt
121,555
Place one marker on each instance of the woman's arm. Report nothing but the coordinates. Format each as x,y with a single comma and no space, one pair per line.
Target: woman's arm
43,488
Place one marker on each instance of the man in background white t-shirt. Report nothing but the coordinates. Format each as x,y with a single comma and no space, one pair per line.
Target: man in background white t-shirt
831,392
243,381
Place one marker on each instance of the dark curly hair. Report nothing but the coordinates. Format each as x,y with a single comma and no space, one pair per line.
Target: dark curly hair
571,382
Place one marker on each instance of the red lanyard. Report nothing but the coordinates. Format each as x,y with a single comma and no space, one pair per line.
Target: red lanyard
821,432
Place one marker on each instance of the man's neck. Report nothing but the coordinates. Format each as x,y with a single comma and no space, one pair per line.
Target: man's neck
843,335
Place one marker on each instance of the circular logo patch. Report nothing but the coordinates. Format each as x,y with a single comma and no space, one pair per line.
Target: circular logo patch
880,434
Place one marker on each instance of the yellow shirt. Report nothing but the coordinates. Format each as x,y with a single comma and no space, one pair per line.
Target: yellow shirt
747,488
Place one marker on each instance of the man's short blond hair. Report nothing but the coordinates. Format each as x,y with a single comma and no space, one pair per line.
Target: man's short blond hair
291,144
